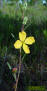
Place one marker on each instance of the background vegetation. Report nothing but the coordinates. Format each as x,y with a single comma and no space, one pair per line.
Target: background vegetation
10,25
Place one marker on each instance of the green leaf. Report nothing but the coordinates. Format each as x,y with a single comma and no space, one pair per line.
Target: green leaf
25,20
14,75
9,65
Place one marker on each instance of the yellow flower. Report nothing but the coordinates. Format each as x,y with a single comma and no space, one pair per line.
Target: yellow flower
24,42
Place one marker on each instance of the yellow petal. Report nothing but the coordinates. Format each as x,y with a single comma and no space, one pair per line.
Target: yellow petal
22,35
26,49
29,40
18,44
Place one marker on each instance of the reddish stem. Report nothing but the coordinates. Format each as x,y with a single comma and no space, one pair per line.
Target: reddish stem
19,59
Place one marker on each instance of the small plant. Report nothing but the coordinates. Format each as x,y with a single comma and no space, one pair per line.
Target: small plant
23,42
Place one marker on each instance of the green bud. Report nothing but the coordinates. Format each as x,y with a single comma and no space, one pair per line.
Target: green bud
25,6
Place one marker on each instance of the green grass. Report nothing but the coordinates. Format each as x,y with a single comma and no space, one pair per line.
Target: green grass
36,13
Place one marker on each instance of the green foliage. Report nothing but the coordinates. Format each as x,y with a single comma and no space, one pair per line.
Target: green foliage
37,13
10,25
25,20
9,65
45,33
25,6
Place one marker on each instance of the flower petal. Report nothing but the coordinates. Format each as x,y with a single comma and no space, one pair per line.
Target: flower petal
18,44
22,35
26,49
29,40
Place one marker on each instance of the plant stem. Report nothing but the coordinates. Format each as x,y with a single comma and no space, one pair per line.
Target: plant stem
22,24
20,59
18,71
